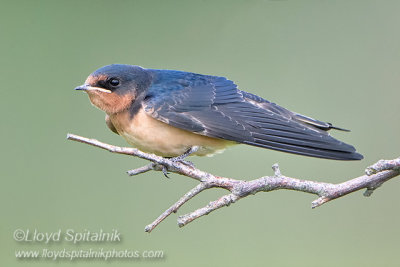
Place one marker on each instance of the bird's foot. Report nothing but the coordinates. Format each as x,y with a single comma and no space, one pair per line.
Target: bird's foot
180,159
164,171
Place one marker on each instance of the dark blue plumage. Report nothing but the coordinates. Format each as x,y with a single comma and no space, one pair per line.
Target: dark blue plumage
214,106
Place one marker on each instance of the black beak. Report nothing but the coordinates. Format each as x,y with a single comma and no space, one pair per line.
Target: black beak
82,87
86,87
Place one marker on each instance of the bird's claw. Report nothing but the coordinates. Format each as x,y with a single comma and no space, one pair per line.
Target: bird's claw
180,159
164,168
165,171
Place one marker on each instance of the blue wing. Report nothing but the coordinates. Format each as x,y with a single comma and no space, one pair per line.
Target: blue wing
215,107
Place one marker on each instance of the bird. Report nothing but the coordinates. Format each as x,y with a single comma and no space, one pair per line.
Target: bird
174,114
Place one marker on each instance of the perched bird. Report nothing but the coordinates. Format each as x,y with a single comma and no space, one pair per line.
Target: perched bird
169,113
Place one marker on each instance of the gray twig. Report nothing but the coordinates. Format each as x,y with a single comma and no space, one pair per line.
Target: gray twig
376,175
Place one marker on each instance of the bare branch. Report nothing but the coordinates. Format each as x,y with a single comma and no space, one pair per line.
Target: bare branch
143,169
213,205
199,188
383,165
376,175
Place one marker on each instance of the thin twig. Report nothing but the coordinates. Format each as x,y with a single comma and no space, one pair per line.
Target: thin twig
143,169
376,175
193,192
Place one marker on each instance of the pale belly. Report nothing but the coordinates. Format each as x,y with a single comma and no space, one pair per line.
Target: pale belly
153,136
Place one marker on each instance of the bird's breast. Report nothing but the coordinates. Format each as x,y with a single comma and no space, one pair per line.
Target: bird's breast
153,136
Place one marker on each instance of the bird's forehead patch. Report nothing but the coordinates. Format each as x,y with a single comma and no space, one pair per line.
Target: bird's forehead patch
93,79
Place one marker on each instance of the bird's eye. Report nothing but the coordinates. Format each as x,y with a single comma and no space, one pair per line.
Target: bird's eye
114,82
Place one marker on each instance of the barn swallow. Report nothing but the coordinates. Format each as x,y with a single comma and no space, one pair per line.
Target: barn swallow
168,112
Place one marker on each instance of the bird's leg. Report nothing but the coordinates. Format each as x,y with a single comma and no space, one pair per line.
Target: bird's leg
188,152
181,158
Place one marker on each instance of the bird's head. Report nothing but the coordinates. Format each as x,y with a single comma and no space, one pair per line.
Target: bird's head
114,88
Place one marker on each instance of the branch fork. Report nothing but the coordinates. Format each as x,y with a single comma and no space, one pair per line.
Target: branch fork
375,176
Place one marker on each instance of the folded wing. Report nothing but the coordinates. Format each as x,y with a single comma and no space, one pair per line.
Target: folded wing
215,107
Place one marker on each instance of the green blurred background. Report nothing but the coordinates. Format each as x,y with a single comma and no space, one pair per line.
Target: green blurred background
337,61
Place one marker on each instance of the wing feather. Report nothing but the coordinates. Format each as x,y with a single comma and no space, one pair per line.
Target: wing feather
215,107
